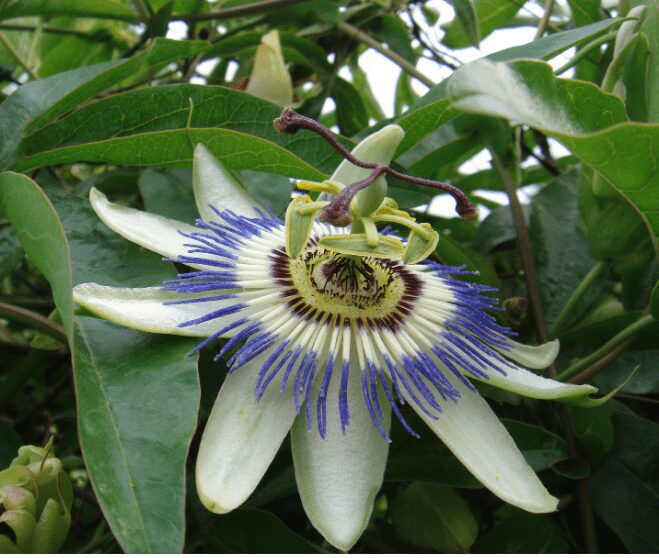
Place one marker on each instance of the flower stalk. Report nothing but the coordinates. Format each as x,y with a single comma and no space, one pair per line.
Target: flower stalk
290,122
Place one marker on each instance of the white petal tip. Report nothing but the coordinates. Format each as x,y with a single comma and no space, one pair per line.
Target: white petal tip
536,357
212,505
343,539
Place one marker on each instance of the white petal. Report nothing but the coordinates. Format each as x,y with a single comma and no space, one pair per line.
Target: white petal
339,476
241,438
151,231
477,438
214,185
536,357
144,309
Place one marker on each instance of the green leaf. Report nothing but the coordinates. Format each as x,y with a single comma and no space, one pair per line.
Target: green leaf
10,251
451,252
617,231
29,211
428,112
9,444
589,122
594,430
467,18
646,379
433,516
654,301
111,9
169,193
34,98
585,11
559,247
496,229
351,114
490,15
521,532
625,488
138,396
159,126
72,53
158,55
100,255
250,531
419,123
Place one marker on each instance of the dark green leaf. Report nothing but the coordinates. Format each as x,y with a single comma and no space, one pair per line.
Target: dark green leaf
9,444
255,531
624,489
452,252
161,53
170,120
559,246
10,251
169,193
433,516
490,15
467,18
594,430
351,115
521,532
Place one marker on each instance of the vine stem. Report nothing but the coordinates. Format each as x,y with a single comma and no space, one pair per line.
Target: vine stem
544,20
524,246
404,65
32,319
16,56
609,347
575,297
237,11
585,50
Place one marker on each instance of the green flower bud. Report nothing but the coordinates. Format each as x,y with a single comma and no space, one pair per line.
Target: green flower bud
270,79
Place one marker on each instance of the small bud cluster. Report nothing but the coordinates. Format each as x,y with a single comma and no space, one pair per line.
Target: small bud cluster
35,502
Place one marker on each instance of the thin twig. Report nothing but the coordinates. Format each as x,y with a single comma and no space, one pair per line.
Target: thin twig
544,20
524,247
594,359
576,296
16,56
54,30
32,319
386,52
237,11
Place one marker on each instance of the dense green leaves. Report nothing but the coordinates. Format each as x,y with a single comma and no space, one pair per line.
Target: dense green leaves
624,487
591,123
135,459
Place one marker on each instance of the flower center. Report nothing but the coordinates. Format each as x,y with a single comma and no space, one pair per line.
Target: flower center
352,287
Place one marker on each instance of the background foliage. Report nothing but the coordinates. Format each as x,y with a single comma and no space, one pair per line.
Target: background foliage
96,95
